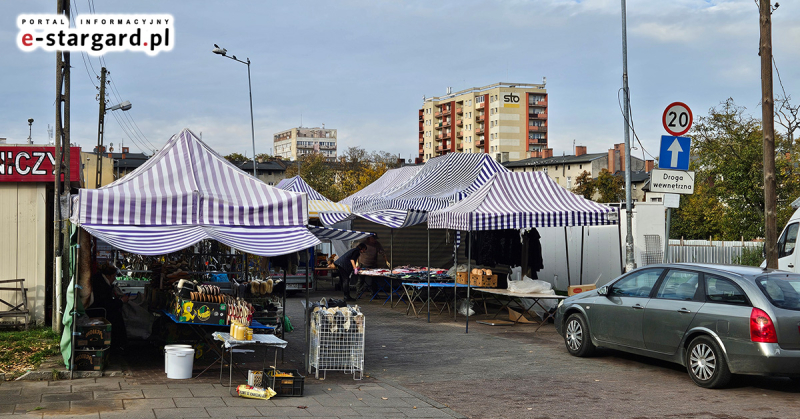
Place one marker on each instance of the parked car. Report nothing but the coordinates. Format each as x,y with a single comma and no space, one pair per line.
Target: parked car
787,257
717,320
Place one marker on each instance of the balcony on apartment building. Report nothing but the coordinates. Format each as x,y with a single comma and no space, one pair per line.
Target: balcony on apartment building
479,143
538,103
460,134
460,123
421,127
460,146
535,141
421,117
479,130
479,105
440,149
542,115
480,117
440,136
446,123
446,135
537,128
459,110
421,140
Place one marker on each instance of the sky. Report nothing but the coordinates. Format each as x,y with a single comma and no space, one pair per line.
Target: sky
363,67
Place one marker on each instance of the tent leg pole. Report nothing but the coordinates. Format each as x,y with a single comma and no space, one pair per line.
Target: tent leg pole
283,318
619,240
307,311
74,310
469,273
582,238
455,280
391,268
566,246
429,275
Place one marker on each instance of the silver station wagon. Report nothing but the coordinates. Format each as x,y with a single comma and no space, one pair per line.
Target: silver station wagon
717,320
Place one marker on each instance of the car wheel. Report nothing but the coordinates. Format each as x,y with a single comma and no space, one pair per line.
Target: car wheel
706,363
576,336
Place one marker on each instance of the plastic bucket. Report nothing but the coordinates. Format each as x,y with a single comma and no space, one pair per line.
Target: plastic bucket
181,362
166,358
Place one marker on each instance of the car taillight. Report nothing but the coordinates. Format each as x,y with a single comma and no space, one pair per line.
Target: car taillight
761,327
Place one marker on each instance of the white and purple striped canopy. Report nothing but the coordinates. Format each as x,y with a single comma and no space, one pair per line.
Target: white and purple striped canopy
389,181
297,184
441,182
186,193
329,233
520,200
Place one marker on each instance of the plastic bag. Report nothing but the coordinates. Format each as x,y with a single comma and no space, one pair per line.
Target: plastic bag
452,271
465,306
530,286
516,274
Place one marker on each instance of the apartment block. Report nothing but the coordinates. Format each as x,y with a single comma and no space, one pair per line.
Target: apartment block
295,142
505,120
565,170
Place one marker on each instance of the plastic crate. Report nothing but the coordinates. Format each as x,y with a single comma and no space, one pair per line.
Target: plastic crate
286,386
91,359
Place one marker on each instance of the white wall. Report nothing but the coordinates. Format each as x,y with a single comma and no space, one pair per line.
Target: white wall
603,250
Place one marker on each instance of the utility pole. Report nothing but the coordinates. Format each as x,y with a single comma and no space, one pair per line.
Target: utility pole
100,127
768,125
62,157
630,262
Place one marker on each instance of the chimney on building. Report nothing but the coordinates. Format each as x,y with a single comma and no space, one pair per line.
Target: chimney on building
110,155
536,153
401,162
621,148
649,165
547,153
580,150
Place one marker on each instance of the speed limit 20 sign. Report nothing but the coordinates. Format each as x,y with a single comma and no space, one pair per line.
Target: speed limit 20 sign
677,118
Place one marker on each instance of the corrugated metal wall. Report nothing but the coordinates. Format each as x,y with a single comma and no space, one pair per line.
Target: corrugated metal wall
411,244
704,251
23,237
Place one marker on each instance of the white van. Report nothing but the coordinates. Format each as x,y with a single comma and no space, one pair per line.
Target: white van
788,258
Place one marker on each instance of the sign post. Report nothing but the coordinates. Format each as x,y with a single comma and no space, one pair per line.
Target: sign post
675,150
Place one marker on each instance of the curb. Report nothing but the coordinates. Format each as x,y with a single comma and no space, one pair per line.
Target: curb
64,375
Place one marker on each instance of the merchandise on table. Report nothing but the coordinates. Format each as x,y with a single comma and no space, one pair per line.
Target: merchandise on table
409,273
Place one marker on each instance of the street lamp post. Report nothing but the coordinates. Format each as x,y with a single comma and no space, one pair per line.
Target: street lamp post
223,52
30,128
101,123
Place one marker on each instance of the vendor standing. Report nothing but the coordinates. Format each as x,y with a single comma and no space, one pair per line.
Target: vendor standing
105,297
346,266
369,260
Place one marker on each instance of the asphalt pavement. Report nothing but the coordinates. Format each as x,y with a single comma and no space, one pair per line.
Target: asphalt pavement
414,368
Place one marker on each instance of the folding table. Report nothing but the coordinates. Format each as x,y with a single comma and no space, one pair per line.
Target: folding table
519,299
229,343
415,291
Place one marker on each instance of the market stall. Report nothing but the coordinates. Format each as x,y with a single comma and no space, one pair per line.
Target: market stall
515,201
187,193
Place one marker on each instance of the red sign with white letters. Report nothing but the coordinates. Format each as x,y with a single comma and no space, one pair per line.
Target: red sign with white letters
35,164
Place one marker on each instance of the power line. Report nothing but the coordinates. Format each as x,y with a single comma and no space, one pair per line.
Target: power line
630,123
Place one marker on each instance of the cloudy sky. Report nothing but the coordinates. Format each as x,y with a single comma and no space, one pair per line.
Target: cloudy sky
362,67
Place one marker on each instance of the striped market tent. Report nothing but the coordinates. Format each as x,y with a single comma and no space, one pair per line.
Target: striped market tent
186,193
317,203
521,200
328,233
389,181
440,183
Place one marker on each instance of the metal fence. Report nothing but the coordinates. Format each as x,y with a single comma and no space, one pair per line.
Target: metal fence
705,251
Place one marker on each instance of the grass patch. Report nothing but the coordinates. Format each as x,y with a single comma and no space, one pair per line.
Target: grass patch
26,349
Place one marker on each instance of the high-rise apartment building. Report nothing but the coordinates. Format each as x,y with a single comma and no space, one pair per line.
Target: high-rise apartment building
505,120
295,142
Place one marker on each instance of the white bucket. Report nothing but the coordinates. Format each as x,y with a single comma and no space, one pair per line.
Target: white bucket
181,362
166,358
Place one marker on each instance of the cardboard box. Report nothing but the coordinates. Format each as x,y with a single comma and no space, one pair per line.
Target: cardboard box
200,312
481,281
91,359
577,289
96,336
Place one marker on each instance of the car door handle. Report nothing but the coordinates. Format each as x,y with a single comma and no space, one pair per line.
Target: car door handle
791,265
684,310
638,306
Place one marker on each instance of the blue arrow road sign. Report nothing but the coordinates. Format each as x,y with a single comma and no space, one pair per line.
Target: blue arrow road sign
674,153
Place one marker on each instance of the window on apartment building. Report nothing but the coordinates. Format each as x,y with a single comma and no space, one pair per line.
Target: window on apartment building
568,168
469,102
569,182
479,99
580,166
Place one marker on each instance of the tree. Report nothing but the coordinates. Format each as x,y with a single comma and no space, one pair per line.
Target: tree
729,198
263,157
236,158
584,185
611,188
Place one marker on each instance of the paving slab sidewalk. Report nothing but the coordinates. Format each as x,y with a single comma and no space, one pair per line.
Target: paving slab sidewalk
111,397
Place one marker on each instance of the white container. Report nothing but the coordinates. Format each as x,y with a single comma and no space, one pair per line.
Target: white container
181,362
166,358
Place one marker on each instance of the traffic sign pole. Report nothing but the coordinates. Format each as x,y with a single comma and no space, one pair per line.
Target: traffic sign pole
677,120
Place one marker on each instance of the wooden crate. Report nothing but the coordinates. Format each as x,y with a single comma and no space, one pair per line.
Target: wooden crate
483,281
461,278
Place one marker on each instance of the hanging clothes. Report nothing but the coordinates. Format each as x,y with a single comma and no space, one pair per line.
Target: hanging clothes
534,256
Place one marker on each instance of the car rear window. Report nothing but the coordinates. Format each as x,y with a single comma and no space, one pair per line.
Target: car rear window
783,291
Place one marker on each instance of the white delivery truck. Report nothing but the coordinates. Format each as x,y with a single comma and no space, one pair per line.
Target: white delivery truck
788,255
